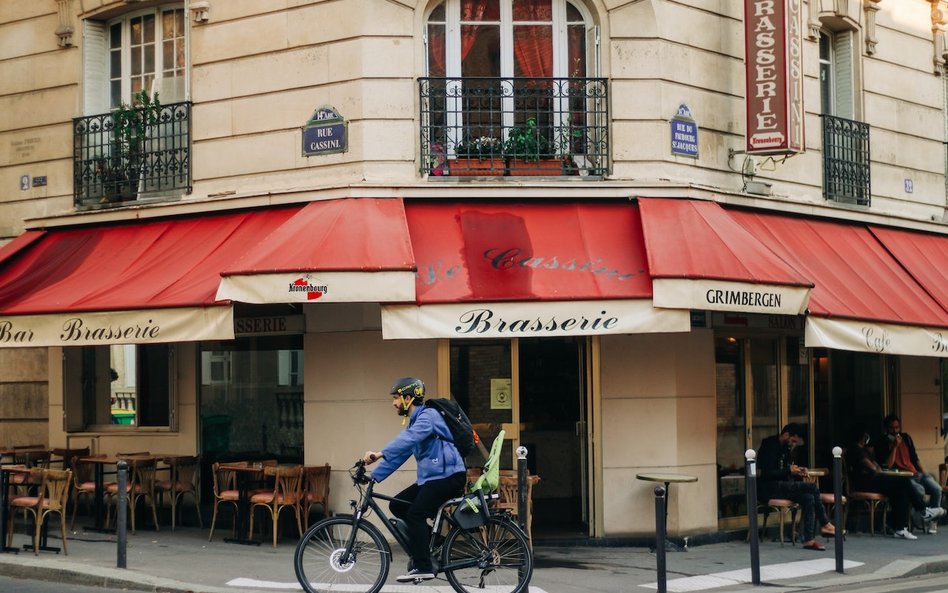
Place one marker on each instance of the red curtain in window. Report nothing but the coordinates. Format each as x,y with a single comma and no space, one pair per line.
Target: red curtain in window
436,50
533,50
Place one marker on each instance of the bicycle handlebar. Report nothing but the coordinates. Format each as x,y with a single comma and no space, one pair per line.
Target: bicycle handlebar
359,474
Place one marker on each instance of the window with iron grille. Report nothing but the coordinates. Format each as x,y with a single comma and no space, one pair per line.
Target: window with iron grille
511,90
846,167
138,55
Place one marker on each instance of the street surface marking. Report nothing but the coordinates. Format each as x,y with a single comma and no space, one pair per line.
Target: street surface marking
772,572
255,584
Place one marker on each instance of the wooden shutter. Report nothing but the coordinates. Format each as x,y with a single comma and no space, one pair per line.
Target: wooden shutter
95,68
843,56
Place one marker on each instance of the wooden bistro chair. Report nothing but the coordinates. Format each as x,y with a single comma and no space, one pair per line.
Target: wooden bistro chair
225,491
51,497
315,490
872,501
286,493
784,508
507,489
140,487
83,482
183,480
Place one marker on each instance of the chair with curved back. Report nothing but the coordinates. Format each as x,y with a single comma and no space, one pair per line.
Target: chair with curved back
507,489
51,497
225,491
315,490
183,480
286,493
83,482
784,508
140,487
828,499
871,500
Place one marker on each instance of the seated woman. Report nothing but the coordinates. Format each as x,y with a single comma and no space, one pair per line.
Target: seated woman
865,476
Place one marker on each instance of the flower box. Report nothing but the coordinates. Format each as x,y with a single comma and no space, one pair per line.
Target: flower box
543,166
476,167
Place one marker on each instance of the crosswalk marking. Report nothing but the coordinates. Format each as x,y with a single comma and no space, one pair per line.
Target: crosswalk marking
771,572
294,586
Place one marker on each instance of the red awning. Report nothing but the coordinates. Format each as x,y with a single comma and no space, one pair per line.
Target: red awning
923,255
345,250
151,281
863,299
699,257
492,269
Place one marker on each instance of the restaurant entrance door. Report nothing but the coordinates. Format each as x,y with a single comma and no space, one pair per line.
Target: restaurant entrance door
537,390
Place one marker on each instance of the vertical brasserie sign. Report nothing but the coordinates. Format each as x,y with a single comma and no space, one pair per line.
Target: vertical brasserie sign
774,76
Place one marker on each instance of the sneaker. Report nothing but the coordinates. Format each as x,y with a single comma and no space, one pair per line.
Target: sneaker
932,513
416,575
903,533
931,527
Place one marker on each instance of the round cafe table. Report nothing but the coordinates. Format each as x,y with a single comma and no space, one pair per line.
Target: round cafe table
668,479
897,473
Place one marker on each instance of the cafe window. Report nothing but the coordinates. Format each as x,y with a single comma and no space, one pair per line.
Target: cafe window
251,398
119,386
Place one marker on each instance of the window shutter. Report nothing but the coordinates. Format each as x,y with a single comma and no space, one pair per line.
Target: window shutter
843,70
593,60
95,68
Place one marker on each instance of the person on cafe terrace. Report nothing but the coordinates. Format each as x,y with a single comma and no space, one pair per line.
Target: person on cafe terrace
896,450
781,478
865,476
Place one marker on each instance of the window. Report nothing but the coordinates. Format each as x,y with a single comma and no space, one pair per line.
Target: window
140,51
128,385
845,141
145,51
514,79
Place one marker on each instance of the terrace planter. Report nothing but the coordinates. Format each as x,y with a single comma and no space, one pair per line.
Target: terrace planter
475,167
543,166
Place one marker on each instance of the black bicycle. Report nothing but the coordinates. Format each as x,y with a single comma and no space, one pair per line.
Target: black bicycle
475,548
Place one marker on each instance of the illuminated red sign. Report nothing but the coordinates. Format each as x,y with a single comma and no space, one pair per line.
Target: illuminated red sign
774,95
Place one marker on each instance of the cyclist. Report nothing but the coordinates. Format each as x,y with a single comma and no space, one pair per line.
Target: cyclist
441,471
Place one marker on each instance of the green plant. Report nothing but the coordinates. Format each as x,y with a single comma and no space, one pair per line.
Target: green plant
130,127
482,147
528,142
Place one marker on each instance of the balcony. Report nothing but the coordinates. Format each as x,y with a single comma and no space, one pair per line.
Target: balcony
111,168
846,161
513,127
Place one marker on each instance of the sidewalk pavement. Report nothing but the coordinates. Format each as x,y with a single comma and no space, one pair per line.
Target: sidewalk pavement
185,562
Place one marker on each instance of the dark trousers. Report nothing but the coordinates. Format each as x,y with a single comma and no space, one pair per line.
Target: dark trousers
806,495
425,501
902,497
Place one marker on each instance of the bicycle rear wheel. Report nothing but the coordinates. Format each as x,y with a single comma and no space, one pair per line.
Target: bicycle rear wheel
319,564
504,561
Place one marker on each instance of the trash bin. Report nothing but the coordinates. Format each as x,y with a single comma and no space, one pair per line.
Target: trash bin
123,416
215,435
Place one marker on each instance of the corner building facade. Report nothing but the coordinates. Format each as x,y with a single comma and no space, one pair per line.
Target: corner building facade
548,210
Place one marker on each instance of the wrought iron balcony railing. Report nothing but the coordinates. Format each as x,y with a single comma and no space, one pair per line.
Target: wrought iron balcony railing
514,126
846,161
111,167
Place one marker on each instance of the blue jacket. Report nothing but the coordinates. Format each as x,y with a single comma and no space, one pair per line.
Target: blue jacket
437,457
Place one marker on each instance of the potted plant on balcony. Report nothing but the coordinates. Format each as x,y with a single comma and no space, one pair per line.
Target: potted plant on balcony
481,155
530,151
121,172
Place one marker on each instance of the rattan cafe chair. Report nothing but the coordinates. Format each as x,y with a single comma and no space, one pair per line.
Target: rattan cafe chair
225,492
51,497
286,493
183,480
315,490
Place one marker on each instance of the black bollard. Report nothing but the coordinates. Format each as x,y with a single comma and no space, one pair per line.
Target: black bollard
522,494
837,506
660,538
121,509
750,464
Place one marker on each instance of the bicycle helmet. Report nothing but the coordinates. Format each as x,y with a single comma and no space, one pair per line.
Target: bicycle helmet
409,387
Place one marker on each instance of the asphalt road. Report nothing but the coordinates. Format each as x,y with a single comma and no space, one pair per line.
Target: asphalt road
8,585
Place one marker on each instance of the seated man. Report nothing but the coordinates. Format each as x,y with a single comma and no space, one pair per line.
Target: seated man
896,450
781,478
864,476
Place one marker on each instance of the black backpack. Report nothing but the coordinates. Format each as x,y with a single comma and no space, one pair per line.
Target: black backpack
465,437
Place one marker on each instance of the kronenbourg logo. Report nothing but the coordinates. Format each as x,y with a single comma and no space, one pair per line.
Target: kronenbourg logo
313,287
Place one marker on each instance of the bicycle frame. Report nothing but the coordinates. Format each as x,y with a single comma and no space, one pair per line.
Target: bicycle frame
368,501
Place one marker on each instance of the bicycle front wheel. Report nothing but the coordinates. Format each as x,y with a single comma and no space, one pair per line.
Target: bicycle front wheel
501,559
320,563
